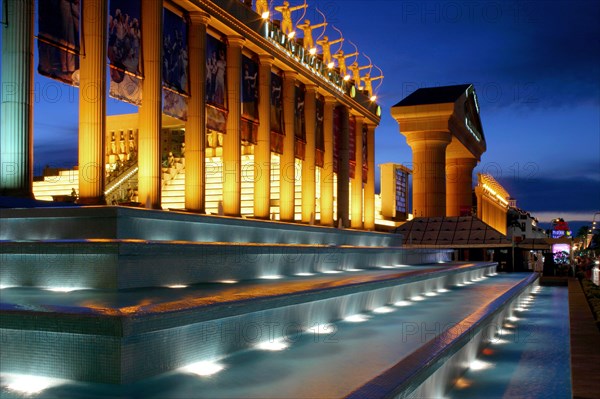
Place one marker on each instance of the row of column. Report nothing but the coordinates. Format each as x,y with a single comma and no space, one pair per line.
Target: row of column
442,186
17,131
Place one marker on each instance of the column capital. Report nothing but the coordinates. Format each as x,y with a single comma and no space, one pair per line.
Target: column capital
290,74
235,41
199,17
311,88
265,59
330,99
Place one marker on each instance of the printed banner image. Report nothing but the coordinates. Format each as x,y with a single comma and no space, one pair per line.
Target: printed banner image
216,73
249,88
276,104
175,105
175,66
124,49
216,119
58,40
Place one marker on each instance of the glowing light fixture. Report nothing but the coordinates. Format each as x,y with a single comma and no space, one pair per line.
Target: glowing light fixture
442,290
330,65
373,98
304,274
417,298
63,289
460,285
383,310
354,270
499,341
347,78
265,15
176,286
431,293
291,34
228,281
271,277
477,365
513,318
357,318
313,51
204,368
332,271
30,384
402,303
2,286
274,345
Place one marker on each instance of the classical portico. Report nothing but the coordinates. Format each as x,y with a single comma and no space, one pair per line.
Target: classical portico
245,169
443,129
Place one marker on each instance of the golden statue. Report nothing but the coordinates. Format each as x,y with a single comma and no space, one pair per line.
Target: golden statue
369,83
355,69
341,59
326,46
287,26
307,28
262,8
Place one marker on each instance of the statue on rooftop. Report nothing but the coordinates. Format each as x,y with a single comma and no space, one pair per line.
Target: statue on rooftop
307,28
341,59
287,26
325,44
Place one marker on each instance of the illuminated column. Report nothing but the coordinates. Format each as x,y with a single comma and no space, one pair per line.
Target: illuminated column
357,182
232,144
92,103
370,185
343,182
16,125
287,163
195,127
149,174
429,164
309,166
327,173
262,150
459,183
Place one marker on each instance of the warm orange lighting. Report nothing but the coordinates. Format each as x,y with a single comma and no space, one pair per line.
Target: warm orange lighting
312,51
265,15
373,98
330,65
347,78
291,34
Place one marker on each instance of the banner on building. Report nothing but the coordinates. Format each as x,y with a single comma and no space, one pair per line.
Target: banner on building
249,100
216,78
352,145
337,135
299,122
124,49
175,66
365,164
319,133
58,40
276,103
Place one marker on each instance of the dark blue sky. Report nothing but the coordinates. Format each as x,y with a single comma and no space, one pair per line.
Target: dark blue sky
535,66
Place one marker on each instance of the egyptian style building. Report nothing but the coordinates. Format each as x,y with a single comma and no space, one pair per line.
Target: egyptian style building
236,116
444,131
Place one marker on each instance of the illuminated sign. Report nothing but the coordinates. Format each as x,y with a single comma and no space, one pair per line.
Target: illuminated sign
561,233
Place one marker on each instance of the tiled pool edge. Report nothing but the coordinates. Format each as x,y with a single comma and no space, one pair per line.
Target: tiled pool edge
407,376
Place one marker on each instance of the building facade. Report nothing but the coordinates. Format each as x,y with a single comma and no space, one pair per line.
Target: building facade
264,126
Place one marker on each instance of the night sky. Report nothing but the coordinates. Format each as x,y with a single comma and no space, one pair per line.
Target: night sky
535,66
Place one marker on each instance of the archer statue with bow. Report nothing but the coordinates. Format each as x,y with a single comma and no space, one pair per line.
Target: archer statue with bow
307,28
287,26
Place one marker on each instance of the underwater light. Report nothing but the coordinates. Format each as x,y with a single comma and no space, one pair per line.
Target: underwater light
442,290
304,274
204,368
402,303
228,281
460,285
271,277
332,271
417,298
431,293
175,286
357,318
383,309
354,270
275,345
477,365
63,289
499,341
30,384
512,318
